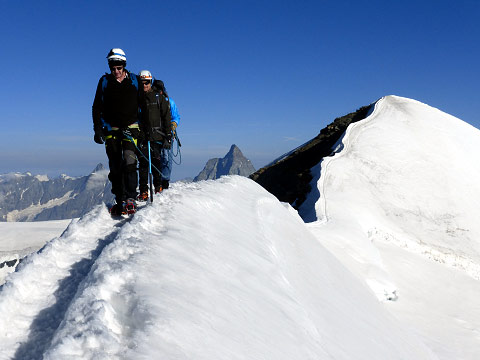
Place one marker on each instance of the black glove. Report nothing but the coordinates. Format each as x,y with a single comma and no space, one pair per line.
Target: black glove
167,141
99,138
127,133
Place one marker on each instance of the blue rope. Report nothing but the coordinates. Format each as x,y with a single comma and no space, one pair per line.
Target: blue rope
178,152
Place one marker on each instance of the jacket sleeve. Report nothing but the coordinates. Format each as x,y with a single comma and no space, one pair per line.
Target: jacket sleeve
174,111
97,108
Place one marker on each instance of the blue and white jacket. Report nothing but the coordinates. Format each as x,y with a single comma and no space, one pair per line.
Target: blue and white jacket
174,111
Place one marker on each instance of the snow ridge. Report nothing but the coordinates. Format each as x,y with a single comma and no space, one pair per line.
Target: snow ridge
211,270
396,157
55,272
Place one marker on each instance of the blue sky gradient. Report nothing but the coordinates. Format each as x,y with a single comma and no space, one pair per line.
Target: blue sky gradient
265,75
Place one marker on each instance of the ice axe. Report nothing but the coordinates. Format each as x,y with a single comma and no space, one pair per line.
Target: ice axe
150,172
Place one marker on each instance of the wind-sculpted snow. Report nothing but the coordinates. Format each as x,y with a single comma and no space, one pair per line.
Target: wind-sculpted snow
406,176
35,298
211,270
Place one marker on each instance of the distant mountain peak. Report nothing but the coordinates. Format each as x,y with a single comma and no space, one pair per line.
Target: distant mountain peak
234,150
98,168
234,163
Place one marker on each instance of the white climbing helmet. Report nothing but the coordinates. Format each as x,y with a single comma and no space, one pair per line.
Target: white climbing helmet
145,75
117,56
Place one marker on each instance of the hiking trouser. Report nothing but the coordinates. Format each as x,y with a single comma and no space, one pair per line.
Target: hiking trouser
161,165
123,163
166,167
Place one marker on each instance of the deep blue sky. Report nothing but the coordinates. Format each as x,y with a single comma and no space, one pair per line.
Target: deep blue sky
265,75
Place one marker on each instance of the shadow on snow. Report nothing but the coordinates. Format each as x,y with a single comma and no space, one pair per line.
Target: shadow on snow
48,320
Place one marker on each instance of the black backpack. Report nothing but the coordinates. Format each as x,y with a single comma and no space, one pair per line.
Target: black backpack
156,128
159,85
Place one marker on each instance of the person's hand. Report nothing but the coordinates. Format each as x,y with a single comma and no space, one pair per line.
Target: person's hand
99,138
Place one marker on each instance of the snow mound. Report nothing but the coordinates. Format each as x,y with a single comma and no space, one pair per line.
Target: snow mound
408,175
211,270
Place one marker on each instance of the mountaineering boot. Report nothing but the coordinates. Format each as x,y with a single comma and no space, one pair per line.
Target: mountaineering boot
130,206
158,189
117,210
165,184
143,196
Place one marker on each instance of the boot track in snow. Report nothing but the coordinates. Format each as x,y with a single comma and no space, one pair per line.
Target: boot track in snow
36,297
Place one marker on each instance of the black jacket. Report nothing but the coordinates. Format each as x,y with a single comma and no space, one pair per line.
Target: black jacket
118,103
157,116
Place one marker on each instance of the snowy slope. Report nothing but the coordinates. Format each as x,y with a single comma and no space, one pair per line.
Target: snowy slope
397,205
212,270
221,270
28,236
18,240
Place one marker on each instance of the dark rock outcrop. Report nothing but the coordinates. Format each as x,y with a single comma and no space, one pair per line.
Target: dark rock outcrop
9,263
289,177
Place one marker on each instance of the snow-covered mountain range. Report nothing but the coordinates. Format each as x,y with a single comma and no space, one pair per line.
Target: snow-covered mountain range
27,197
380,261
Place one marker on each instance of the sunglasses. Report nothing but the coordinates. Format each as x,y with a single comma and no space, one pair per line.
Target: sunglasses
145,83
116,68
